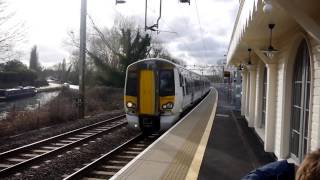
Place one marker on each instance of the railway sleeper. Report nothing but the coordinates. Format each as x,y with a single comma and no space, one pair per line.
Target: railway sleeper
125,156
82,135
16,160
41,150
74,138
141,145
103,173
29,155
135,149
67,141
5,165
89,133
61,144
111,167
48,147
131,152
94,132
90,178
102,129
118,162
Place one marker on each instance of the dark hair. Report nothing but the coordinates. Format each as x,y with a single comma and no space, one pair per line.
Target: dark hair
310,167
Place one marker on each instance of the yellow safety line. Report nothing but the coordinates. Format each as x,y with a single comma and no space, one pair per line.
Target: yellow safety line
194,168
116,176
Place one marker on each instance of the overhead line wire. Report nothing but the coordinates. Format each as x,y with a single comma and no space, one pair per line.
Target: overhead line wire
171,29
201,30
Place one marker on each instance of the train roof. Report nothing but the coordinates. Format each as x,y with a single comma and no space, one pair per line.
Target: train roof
163,61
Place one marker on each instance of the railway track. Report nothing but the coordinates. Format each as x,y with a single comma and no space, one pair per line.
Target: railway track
15,160
109,164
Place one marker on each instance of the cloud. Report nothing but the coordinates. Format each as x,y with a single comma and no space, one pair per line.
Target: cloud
203,40
199,33
48,55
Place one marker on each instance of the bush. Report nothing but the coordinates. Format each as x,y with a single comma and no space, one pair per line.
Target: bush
62,109
40,82
104,98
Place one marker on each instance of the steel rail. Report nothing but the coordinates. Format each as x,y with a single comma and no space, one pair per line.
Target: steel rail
15,167
47,140
85,171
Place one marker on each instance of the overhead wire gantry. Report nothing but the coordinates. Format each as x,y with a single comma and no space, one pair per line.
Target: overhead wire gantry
155,27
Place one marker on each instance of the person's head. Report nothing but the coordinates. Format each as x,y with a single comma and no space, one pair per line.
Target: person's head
310,167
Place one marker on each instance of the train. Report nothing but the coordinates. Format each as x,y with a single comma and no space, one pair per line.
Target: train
157,91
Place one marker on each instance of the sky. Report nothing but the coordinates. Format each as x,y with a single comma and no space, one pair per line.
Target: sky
202,30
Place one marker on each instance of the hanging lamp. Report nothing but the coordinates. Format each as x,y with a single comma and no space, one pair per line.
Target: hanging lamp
270,51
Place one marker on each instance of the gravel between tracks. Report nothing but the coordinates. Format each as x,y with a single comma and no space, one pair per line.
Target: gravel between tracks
77,157
8,143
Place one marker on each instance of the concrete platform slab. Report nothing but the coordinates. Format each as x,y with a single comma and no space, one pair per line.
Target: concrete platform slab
171,155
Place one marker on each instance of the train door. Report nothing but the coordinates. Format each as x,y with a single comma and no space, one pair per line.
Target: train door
147,96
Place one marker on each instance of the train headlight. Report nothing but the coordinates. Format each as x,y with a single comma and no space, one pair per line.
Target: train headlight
169,105
130,105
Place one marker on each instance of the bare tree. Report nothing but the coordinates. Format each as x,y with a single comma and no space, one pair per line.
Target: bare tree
112,50
10,32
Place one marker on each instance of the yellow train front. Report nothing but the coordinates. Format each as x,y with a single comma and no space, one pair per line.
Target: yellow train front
157,91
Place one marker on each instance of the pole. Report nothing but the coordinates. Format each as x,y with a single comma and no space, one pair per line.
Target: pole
222,73
145,16
82,63
159,14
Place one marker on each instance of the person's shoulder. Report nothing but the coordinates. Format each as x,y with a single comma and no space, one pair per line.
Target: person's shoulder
282,164
272,170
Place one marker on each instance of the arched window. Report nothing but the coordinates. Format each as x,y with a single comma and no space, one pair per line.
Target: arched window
300,103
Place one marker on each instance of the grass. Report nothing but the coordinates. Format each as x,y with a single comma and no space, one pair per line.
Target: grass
61,109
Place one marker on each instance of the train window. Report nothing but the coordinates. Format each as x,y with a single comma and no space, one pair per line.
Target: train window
182,84
196,85
131,87
187,86
166,83
2,93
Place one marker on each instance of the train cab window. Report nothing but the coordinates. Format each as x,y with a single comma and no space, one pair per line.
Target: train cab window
166,78
180,80
131,87
187,86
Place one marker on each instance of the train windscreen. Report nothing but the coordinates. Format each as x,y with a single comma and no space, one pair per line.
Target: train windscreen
166,83
131,87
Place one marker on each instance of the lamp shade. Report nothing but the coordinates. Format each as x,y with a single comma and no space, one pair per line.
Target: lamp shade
120,1
270,52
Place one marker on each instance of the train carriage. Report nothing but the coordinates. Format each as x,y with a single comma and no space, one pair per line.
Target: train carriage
157,91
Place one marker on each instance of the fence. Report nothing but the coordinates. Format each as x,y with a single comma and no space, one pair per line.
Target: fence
231,91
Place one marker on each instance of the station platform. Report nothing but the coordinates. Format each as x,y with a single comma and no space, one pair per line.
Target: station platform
211,142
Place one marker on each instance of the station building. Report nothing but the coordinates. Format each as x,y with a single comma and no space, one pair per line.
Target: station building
276,44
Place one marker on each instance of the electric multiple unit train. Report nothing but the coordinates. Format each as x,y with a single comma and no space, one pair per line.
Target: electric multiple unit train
157,91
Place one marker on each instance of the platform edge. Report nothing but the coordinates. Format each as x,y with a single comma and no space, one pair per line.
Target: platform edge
115,176
194,168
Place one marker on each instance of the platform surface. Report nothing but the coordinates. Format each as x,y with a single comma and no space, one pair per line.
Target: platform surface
171,156
233,149
212,142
